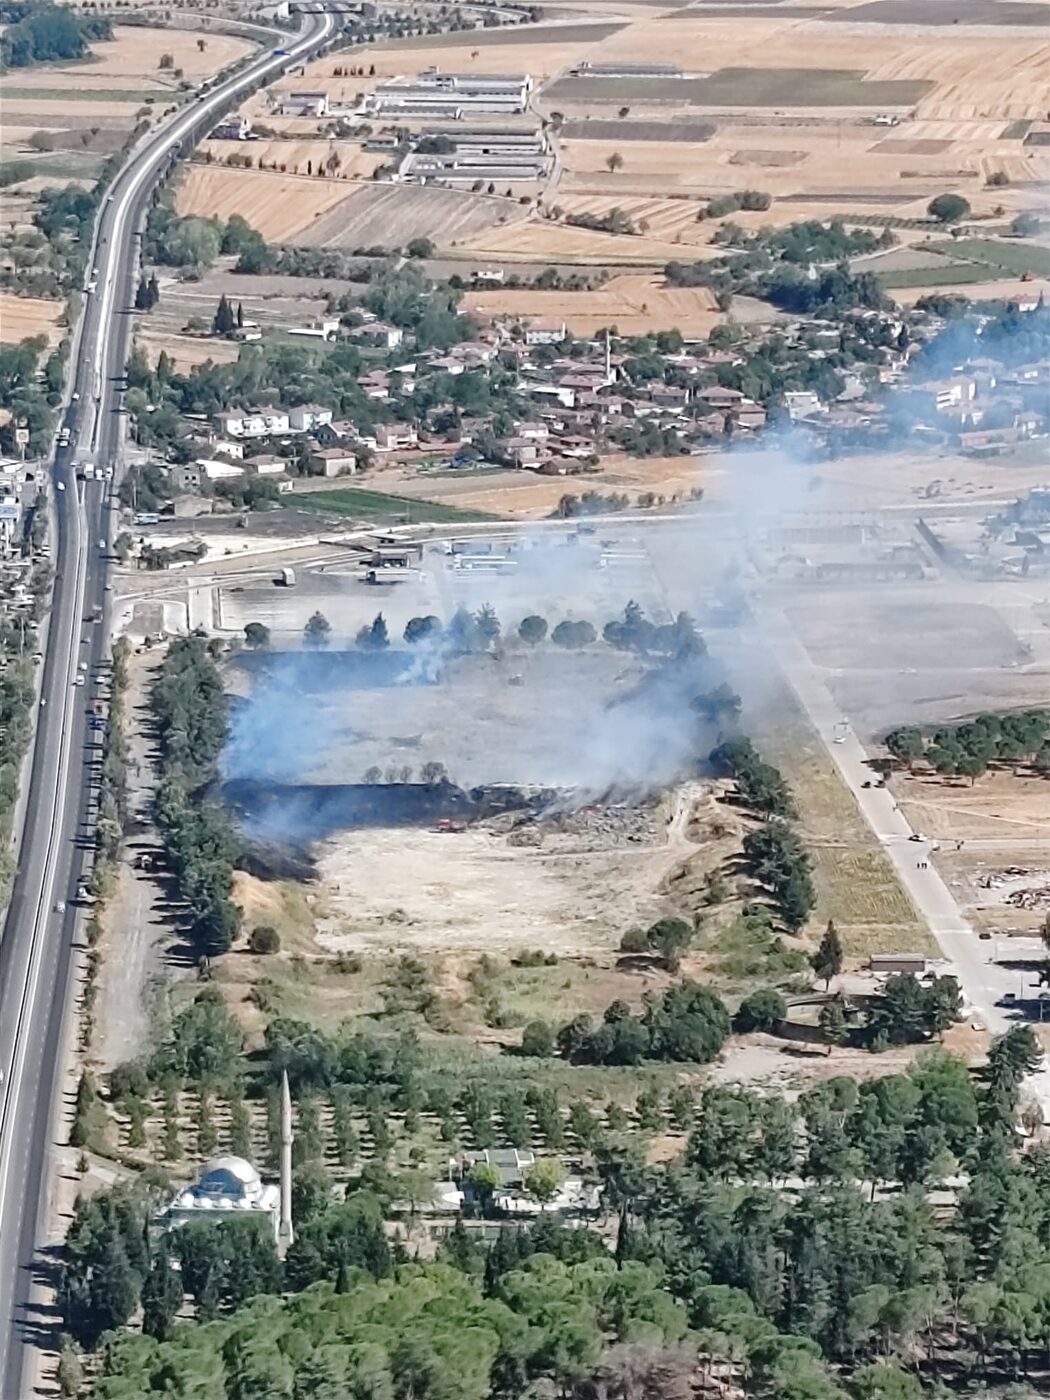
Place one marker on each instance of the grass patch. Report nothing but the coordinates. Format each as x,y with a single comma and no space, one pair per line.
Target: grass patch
856,884
952,274
384,508
1013,258
751,87
136,96
750,955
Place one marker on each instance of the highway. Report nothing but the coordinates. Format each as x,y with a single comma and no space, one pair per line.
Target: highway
40,935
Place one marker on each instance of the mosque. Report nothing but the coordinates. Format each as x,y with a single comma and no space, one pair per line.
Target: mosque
230,1186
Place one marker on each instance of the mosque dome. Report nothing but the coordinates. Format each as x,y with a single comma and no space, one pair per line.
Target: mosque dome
231,1177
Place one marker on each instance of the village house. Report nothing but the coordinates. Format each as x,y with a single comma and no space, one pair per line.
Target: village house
393,437
332,461
538,332
378,335
802,403
307,417
519,451
375,384
266,464
251,423
325,329
531,429
185,476
216,469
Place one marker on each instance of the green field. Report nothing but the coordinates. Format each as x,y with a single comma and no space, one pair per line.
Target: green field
1014,258
952,274
750,87
135,96
383,508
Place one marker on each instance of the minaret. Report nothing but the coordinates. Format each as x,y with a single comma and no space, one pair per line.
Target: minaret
608,358
284,1229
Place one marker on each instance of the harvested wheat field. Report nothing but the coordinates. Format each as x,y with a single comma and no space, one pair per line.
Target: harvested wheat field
524,495
634,303
21,317
293,157
540,240
280,206
392,215
186,352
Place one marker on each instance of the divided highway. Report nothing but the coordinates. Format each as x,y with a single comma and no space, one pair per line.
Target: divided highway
36,952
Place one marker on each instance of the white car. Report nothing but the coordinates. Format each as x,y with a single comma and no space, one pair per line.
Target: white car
60,906
60,485
79,680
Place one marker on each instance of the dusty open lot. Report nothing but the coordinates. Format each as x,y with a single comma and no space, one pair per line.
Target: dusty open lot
132,57
21,317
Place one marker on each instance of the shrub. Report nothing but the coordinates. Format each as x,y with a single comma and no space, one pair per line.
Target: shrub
537,1040
948,208
761,1011
265,939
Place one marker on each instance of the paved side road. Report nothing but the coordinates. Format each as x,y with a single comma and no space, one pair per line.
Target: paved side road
967,957
36,954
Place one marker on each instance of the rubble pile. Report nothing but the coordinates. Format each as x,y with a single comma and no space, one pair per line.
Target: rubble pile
1019,887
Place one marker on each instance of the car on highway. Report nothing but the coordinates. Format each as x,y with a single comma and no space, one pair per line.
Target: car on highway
60,485
60,906
78,680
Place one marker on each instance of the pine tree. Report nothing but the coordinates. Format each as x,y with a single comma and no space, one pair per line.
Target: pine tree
161,1295
142,295
154,290
827,960
240,313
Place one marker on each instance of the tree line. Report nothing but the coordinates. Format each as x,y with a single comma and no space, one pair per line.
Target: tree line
189,710
968,748
47,33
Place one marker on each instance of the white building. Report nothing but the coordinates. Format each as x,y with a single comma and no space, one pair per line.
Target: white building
454,95
326,329
304,104
216,469
226,1188
256,423
379,334
305,417
544,332
801,403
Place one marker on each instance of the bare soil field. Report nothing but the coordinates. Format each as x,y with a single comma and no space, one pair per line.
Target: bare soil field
392,215
21,317
281,207
633,303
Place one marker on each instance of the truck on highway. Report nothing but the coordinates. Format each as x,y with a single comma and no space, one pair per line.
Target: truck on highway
89,471
286,578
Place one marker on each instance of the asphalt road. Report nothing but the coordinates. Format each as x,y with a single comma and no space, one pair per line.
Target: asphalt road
37,951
